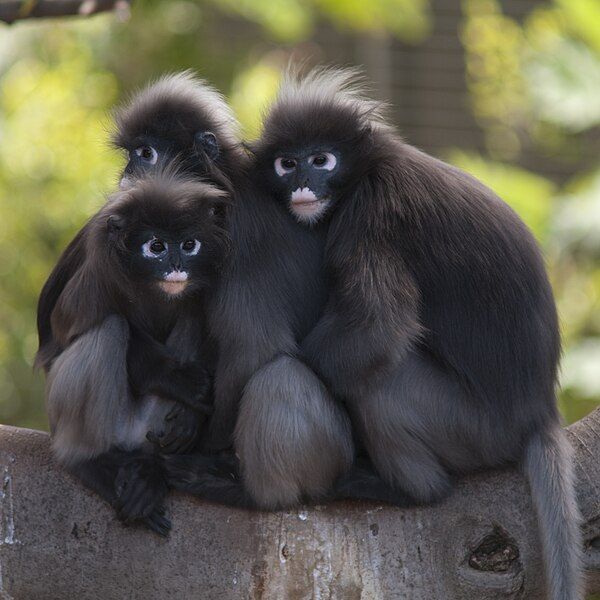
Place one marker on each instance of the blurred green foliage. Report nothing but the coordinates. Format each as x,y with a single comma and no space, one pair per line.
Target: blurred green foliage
532,84
535,85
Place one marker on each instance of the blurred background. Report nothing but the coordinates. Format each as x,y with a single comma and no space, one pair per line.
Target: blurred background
507,90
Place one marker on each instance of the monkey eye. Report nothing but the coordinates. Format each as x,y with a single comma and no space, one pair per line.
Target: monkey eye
283,166
323,160
153,248
147,154
190,247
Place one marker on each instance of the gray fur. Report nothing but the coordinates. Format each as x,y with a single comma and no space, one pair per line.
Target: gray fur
440,332
435,424
88,400
87,392
292,438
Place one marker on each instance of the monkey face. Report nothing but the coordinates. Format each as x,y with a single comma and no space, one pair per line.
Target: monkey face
148,153
181,119
306,181
173,263
166,235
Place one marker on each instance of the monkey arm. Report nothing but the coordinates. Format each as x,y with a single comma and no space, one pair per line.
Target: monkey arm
252,330
269,291
371,318
343,353
235,368
71,259
153,369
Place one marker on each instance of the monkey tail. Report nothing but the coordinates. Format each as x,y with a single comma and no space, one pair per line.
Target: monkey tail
549,468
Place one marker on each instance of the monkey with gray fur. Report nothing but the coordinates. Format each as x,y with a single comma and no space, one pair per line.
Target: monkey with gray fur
137,353
269,296
439,333
178,118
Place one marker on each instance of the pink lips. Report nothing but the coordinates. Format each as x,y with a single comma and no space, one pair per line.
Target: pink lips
174,283
303,196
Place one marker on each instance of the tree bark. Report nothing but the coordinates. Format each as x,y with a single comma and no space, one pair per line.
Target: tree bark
14,10
59,541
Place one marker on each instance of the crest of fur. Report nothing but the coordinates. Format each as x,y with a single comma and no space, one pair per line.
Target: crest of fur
340,92
185,97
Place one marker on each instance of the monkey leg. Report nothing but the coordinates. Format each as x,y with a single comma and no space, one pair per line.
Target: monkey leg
293,439
363,482
414,423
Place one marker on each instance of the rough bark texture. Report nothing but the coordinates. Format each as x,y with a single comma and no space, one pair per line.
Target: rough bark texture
15,10
58,541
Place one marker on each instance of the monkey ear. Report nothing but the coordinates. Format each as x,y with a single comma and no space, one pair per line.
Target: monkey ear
249,147
217,210
207,140
114,226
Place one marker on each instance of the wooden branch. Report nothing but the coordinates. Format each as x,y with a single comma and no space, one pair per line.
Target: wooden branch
15,10
58,541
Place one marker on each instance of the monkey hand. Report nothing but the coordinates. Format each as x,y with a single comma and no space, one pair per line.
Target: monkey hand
193,385
181,429
140,488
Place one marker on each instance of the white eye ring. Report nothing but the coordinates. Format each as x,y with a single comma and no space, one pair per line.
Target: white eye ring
194,250
153,154
280,169
149,253
329,164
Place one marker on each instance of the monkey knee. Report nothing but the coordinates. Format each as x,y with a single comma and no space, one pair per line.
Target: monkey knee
86,391
272,492
293,439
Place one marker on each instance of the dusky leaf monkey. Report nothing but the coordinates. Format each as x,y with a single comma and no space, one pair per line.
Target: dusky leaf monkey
439,332
137,356
178,119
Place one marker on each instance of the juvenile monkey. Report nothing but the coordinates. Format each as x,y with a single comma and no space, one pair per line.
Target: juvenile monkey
136,353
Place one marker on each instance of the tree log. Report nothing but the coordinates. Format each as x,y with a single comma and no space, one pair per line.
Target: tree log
59,541
15,10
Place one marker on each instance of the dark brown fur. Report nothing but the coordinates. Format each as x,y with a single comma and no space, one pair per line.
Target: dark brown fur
135,360
439,333
168,114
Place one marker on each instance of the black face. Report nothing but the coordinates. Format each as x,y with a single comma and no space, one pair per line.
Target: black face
308,181
173,263
147,153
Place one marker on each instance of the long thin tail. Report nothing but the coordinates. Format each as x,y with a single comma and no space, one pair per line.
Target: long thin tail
549,468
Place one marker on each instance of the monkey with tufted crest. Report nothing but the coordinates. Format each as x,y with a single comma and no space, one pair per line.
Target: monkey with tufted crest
439,332
134,374
178,119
